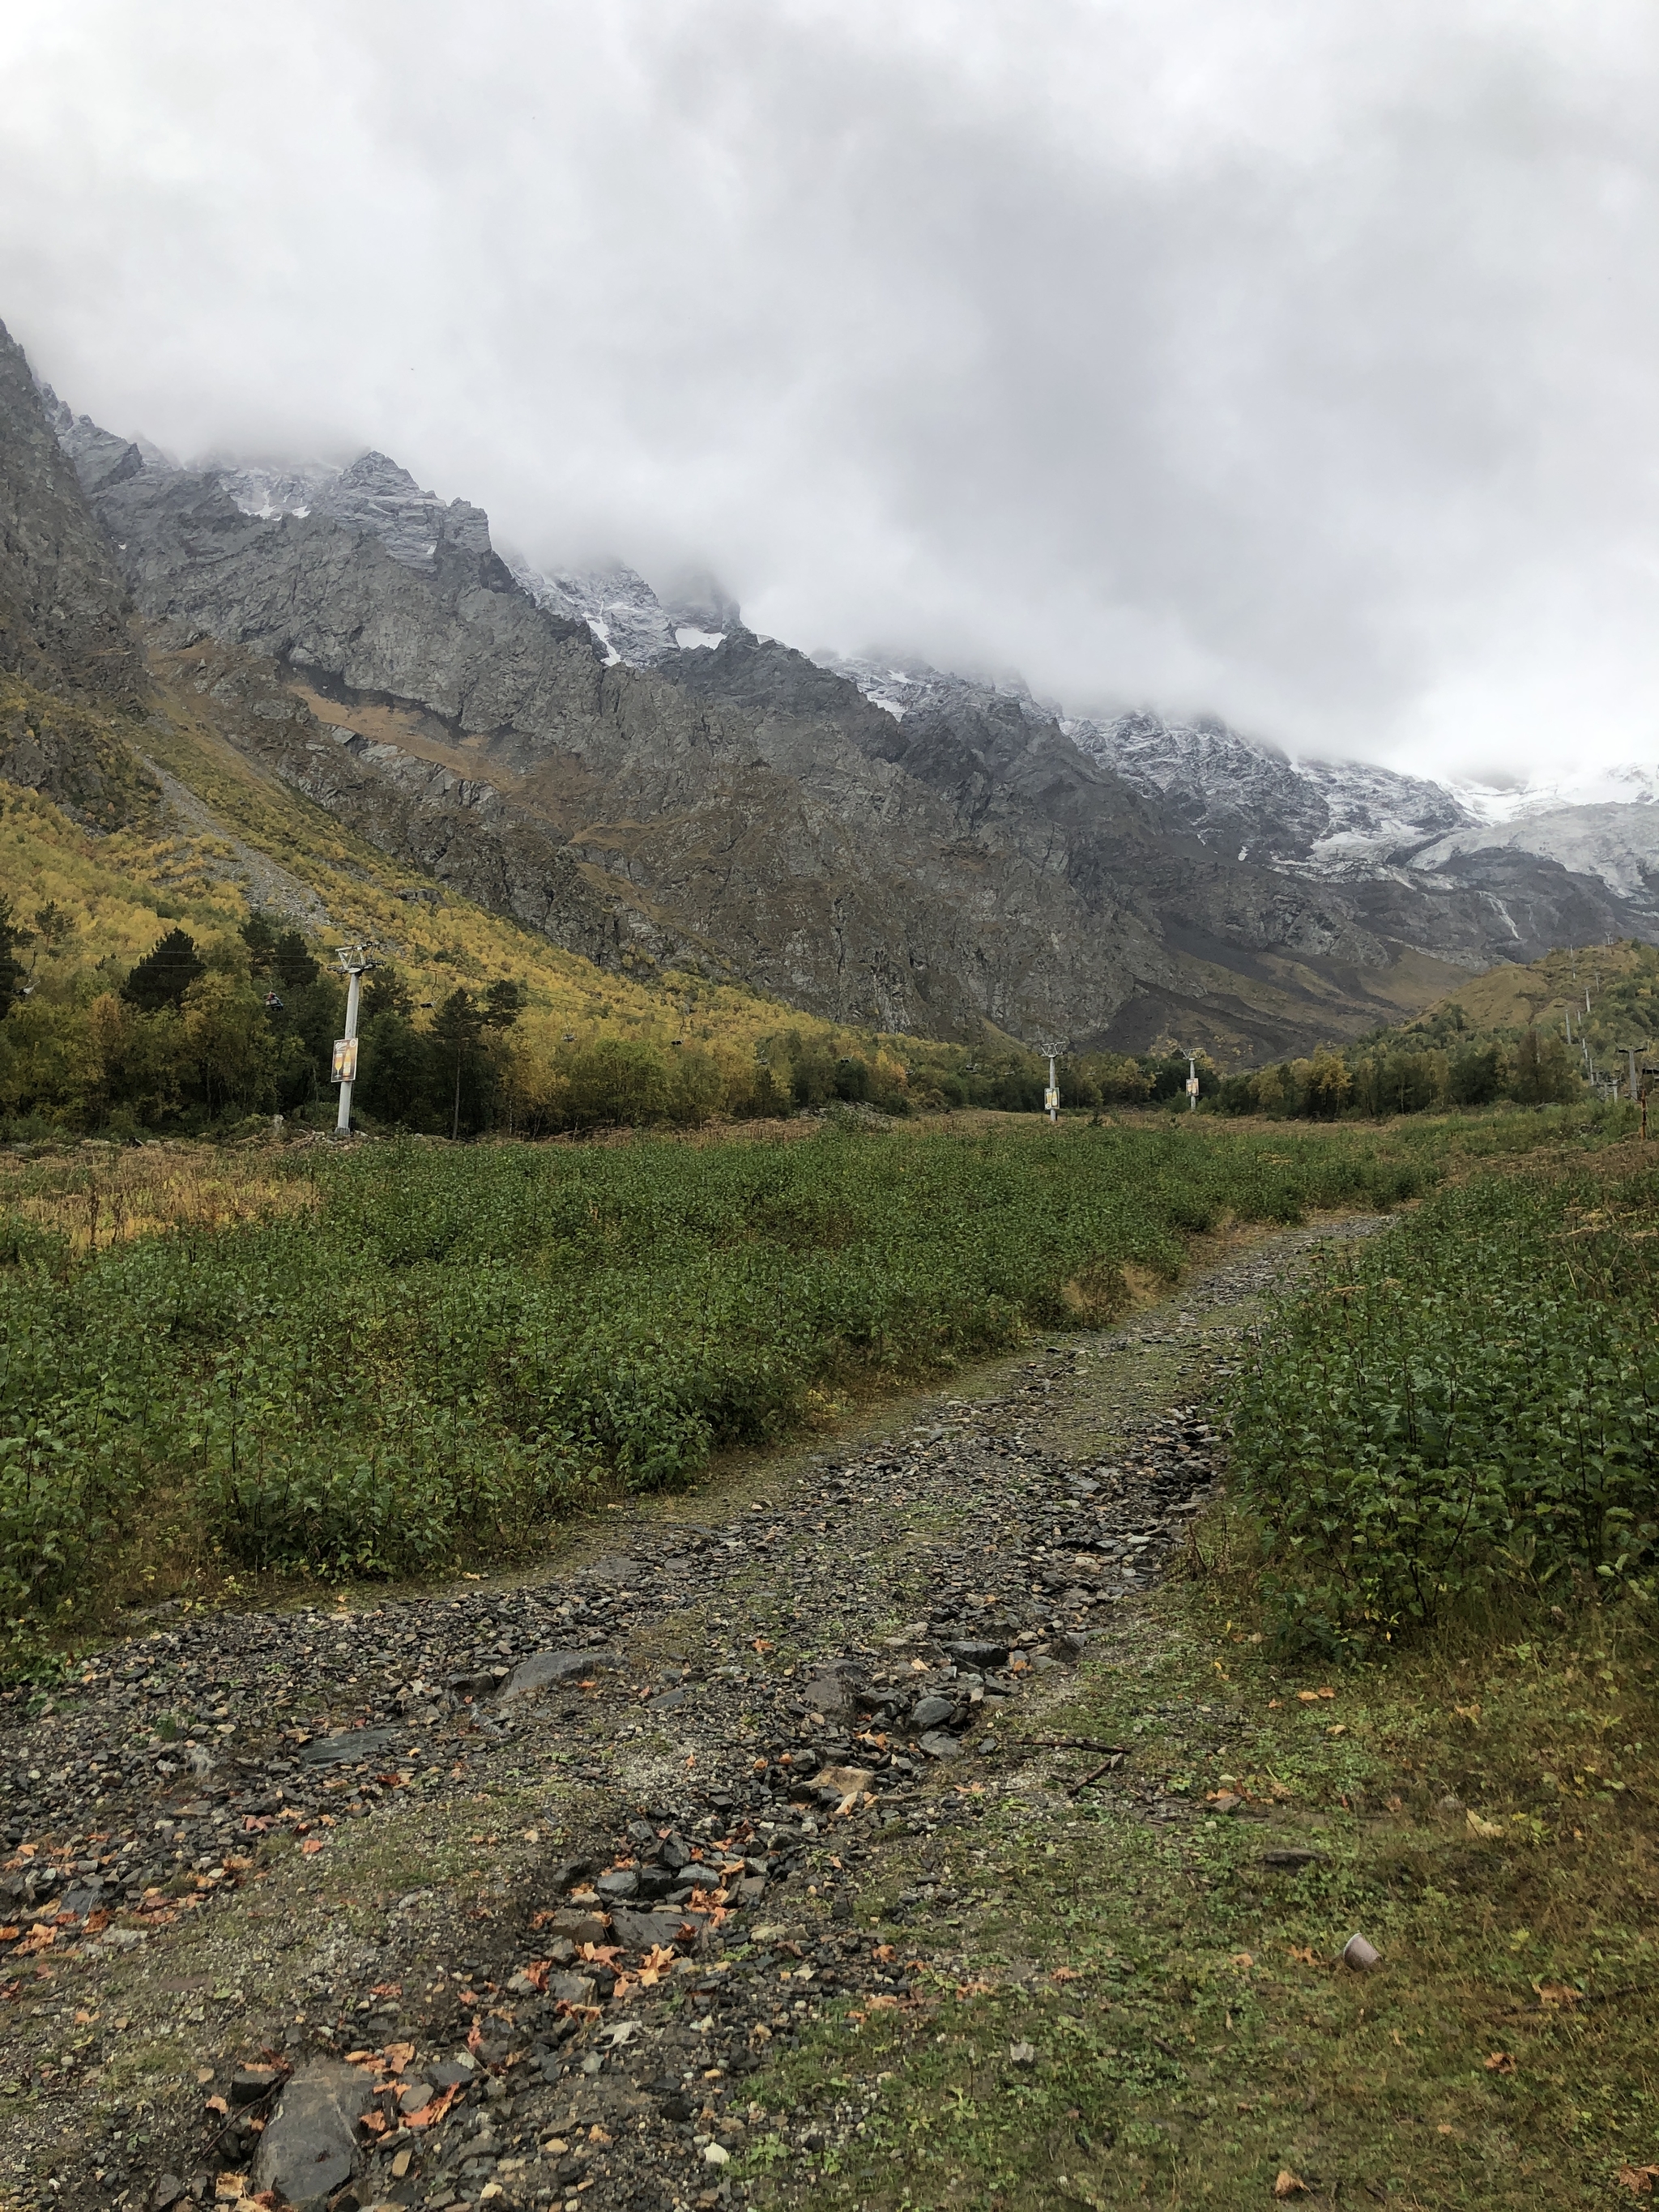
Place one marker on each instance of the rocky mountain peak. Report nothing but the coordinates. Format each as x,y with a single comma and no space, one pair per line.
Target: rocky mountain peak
99,457
63,605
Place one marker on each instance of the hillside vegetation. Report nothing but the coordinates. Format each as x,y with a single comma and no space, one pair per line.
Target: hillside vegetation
1533,1036
264,884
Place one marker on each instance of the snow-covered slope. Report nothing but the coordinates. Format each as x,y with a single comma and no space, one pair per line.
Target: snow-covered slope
624,614
1349,820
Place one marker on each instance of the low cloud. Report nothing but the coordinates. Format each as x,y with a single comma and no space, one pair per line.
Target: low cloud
1293,362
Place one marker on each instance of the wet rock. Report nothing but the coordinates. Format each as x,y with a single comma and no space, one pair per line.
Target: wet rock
309,2150
938,1745
932,1712
978,1655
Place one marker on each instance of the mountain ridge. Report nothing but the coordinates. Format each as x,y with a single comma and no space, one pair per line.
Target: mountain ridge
651,783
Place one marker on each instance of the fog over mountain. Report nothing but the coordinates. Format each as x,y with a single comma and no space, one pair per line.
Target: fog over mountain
1289,364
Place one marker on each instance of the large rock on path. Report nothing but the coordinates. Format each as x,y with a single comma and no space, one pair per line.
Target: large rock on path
310,2147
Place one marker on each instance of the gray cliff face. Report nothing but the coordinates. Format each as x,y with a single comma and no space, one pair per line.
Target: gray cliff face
734,805
64,610
644,781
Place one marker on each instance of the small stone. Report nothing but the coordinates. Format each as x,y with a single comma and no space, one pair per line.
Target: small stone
1023,2054
846,1784
571,1988
250,2083
646,1932
622,1882
167,2189
416,2097
938,1745
716,2154
932,1712
576,1927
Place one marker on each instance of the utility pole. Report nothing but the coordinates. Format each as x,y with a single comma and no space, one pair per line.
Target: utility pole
1192,1083
354,960
1051,1097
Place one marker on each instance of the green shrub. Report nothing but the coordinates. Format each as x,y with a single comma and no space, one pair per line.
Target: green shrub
1467,1404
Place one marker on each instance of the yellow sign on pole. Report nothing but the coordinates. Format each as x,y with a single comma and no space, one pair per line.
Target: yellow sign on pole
345,1060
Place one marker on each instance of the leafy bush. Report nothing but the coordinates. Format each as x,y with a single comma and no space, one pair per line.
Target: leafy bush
1469,1403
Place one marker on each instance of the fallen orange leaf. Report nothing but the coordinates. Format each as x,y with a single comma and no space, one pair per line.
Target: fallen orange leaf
1501,2062
1303,1955
1289,2183
311,1844
1639,2178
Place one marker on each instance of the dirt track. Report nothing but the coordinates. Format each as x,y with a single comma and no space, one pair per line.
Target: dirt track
563,1859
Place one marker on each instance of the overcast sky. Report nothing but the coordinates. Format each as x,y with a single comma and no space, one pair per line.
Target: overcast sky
1290,359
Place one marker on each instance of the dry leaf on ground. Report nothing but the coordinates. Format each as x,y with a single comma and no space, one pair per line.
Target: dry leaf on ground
1289,2183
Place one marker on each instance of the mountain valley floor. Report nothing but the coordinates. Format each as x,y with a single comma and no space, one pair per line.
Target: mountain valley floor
960,1841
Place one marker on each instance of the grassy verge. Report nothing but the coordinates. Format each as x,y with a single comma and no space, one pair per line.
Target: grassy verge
1148,2007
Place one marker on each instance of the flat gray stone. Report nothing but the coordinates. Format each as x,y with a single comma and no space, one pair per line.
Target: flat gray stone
646,1932
931,1712
576,1924
938,1745
310,2148
543,1668
353,1745
571,1988
828,1695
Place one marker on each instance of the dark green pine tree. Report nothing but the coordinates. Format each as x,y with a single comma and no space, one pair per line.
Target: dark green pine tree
162,977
